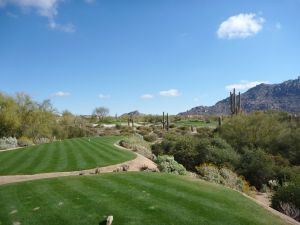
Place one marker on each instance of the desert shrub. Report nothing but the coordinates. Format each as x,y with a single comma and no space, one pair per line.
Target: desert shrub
287,199
191,151
6,143
109,131
204,132
150,137
143,130
159,132
224,176
137,144
168,164
118,126
257,167
172,125
183,130
125,130
24,141
41,140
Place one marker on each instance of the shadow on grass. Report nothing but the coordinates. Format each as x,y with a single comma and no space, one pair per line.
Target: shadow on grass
102,222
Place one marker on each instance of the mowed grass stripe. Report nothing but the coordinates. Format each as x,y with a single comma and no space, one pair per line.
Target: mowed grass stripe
30,160
22,158
124,199
136,200
132,198
67,155
101,152
185,204
210,206
99,155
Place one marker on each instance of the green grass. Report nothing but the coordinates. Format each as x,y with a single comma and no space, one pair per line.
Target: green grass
67,155
132,198
196,123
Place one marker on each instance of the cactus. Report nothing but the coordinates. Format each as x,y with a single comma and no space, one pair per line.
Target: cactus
167,121
235,106
163,120
220,121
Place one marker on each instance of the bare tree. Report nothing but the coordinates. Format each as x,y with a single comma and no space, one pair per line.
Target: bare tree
101,112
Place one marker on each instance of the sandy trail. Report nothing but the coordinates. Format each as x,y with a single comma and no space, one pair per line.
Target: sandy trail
134,165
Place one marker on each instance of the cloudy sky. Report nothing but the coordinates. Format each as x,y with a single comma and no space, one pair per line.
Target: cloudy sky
150,55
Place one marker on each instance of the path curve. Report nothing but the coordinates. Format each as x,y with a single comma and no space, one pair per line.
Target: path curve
134,165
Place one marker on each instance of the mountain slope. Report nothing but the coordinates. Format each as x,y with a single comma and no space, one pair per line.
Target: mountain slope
284,96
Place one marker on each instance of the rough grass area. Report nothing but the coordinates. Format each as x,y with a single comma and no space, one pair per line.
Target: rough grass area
135,198
67,155
196,123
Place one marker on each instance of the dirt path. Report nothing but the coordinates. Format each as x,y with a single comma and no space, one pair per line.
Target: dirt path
10,149
134,165
264,201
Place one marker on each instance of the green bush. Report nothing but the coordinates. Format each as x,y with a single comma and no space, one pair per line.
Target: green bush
137,144
150,137
204,132
223,176
168,164
257,167
191,151
25,141
287,199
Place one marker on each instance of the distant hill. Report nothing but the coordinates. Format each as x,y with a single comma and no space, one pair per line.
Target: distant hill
284,96
133,113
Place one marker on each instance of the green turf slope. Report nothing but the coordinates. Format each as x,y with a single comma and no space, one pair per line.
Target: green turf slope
67,155
134,198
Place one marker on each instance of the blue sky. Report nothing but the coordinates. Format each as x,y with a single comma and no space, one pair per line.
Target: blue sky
150,55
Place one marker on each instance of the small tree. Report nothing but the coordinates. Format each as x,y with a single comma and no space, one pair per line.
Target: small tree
101,112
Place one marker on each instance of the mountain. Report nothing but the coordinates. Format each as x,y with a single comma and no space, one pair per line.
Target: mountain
284,97
133,113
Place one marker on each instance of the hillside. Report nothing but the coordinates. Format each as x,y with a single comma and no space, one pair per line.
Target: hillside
133,113
284,96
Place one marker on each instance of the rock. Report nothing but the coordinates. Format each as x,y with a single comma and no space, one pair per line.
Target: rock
97,171
125,167
109,220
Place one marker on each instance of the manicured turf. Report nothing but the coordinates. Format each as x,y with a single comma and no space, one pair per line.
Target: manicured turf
67,155
135,198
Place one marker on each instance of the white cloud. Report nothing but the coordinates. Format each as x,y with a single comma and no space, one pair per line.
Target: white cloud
244,85
147,96
61,94
102,96
240,26
69,28
170,93
47,8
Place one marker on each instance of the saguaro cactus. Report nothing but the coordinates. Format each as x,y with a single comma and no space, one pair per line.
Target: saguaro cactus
167,121
235,106
163,121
